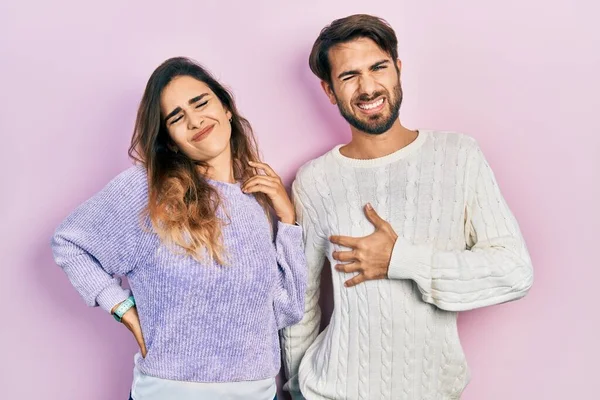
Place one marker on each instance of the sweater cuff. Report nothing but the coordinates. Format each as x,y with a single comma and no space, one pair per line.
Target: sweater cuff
111,296
289,232
411,261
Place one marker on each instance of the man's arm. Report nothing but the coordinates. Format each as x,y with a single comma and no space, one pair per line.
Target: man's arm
495,268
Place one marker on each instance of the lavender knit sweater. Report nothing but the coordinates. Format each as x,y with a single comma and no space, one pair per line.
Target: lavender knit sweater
201,322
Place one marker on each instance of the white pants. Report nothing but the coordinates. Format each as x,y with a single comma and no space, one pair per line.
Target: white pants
146,387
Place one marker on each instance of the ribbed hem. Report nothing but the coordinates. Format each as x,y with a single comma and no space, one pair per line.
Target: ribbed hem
380,161
293,232
111,296
411,261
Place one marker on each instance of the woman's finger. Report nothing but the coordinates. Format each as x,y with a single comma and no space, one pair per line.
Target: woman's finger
265,167
260,180
259,187
142,345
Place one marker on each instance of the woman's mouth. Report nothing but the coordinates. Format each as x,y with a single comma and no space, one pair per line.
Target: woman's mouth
203,133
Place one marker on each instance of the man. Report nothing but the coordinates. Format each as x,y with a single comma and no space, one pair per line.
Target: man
414,226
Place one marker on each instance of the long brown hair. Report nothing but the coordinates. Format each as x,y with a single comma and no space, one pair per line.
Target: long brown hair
182,206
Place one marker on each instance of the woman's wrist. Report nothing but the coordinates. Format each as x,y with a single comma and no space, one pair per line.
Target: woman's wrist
290,220
120,309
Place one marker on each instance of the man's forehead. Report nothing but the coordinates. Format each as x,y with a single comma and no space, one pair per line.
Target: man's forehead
355,55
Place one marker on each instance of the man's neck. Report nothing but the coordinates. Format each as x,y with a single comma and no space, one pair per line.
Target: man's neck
366,146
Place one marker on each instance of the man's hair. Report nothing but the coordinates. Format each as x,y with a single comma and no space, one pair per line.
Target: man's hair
347,29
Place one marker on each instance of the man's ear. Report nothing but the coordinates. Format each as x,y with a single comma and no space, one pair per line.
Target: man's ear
329,92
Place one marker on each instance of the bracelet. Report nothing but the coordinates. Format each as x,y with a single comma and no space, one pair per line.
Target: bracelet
123,308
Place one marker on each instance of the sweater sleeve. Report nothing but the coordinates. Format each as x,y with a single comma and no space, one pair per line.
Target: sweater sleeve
297,339
98,240
495,266
289,299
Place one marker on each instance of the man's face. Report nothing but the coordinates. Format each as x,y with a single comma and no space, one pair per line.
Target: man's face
365,85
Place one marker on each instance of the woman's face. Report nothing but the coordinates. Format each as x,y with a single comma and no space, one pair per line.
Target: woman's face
195,118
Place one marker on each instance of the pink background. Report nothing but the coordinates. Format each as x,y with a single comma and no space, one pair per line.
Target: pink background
520,76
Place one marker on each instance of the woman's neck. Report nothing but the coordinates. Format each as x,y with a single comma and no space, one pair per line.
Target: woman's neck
220,168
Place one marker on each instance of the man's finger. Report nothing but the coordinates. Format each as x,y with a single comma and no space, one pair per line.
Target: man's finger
348,268
344,256
360,278
345,241
373,217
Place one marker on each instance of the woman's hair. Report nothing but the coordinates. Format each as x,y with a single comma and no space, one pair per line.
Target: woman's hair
182,206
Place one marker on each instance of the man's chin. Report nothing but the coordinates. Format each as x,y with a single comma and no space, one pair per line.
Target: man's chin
375,132
373,125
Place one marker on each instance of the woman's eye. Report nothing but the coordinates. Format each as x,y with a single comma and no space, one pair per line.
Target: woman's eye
175,120
202,104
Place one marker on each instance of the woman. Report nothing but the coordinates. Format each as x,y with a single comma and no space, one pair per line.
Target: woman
189,227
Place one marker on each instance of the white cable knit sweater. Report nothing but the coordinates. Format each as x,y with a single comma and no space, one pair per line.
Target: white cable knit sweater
459,248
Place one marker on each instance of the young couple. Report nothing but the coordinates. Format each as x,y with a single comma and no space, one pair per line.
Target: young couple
412,223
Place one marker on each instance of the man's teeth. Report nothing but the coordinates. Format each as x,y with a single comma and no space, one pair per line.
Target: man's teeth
370,106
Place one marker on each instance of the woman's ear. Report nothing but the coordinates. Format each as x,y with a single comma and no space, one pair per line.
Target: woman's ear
173,147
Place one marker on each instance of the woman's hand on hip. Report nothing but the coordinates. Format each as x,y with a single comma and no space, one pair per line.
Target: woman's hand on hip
131,320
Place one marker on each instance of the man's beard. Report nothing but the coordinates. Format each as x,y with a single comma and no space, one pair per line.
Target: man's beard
374,124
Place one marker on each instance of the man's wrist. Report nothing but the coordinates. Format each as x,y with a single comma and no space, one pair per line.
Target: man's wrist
391,252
